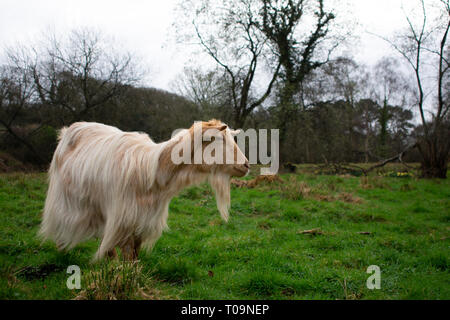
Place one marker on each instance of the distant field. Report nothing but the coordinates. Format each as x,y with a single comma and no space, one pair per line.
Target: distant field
396,222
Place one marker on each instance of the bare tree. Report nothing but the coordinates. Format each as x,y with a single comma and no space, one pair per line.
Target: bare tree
389,87
421,41
228,32
209,90
80,72
59,82
16,96
348,83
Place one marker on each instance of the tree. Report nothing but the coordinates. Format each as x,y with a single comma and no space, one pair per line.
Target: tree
400,128
419,42
344,117
389,86
209,90
348,84
227,31
369,112
51,85
16,91
79,73
296,54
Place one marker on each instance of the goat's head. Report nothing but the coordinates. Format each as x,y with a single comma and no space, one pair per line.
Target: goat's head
210,148
223,159
219,151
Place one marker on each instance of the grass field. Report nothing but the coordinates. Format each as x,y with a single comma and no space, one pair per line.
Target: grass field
398,223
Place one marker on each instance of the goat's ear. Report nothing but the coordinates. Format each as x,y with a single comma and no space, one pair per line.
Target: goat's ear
222,127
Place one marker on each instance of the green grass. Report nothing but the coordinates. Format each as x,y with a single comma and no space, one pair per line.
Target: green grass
260,253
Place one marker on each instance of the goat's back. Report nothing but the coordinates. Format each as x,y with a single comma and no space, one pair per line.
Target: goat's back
94,167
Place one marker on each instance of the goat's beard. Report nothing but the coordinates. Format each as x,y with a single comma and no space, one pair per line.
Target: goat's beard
221,185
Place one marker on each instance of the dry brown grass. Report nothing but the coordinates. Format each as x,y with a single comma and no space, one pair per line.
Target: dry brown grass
119,280
349,198
297,190
266,179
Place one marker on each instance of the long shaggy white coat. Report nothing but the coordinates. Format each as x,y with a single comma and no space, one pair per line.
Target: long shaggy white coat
116,185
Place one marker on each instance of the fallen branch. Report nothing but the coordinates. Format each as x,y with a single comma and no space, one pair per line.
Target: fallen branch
314,232
398,157
341,167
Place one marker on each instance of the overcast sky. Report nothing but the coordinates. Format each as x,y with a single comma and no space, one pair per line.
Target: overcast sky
143,26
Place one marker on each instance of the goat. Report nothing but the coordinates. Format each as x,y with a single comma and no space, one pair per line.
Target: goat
115,185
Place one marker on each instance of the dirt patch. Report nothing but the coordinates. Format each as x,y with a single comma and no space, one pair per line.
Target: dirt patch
38,272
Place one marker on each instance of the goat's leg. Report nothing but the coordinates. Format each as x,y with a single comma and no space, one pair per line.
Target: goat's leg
109,241
137,246
112,254
130,248
127,250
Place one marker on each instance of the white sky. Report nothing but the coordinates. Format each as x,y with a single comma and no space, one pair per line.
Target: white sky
142,26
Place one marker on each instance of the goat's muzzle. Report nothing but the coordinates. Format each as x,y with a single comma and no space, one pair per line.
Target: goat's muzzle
241,170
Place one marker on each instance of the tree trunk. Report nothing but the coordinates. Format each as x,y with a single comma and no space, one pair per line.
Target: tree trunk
434,154
437,171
